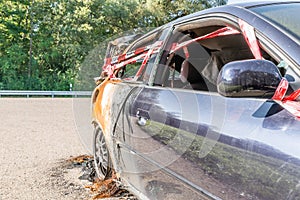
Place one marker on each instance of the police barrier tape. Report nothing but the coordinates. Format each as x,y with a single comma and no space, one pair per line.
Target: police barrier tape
117,62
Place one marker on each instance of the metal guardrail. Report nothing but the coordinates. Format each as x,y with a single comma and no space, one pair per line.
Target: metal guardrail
29,93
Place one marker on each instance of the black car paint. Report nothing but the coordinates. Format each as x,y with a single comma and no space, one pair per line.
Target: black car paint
247,148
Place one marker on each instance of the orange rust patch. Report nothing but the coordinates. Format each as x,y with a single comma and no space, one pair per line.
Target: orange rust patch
79,159
100,107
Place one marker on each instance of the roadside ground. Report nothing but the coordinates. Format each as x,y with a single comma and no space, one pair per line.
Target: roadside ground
38,138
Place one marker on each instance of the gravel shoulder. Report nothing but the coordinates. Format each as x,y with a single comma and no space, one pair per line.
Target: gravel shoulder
36,136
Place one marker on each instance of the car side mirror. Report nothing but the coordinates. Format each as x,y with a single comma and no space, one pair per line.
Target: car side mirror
248,78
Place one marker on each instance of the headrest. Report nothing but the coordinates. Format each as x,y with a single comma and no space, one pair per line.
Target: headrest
184,71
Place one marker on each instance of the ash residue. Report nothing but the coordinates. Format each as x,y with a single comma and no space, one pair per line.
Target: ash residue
76,178
64,179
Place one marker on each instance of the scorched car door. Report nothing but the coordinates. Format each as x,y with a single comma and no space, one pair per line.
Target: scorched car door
158,127
181,139
194,144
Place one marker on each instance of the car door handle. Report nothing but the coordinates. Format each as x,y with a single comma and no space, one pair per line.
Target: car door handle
141,121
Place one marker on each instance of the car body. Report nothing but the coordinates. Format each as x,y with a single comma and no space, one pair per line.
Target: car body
205,107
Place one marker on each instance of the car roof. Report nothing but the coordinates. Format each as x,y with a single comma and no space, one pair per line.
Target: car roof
240,10
260,3
233,9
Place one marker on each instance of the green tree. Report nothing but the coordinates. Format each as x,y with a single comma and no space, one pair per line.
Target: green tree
45,43
14,43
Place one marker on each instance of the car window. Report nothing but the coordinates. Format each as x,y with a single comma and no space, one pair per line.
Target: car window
129,71
203,53
286,16
144,50
196,65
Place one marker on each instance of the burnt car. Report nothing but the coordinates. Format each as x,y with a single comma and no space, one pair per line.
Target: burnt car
204,107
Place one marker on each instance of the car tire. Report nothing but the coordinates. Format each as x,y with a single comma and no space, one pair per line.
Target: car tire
102,158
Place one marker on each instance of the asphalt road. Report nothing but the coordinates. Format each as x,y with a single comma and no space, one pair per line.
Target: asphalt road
36,136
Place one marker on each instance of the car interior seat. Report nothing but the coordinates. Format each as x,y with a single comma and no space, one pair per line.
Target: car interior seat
190,73
201,68
192,67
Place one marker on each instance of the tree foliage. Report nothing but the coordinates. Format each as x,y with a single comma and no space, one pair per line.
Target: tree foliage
45,43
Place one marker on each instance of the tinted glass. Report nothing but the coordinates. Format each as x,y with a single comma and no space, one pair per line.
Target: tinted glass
286,16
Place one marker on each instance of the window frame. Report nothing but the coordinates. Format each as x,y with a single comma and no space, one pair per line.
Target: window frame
202,21
143,41
225,20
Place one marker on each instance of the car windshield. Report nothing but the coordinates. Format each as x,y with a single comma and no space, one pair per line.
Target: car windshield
286,16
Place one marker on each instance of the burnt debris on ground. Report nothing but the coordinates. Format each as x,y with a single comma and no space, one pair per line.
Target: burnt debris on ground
62,178
111,187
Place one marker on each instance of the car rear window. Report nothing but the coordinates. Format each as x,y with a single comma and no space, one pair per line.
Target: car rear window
286,16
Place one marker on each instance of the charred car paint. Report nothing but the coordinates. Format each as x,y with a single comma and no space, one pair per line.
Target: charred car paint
205,107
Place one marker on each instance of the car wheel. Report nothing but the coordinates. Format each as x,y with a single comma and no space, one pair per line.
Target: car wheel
102,159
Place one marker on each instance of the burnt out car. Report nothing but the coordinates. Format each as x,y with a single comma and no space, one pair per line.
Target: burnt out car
205,107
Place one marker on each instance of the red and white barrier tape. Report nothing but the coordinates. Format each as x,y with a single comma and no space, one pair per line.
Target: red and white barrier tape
249,35
289,103
116,62
220,32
